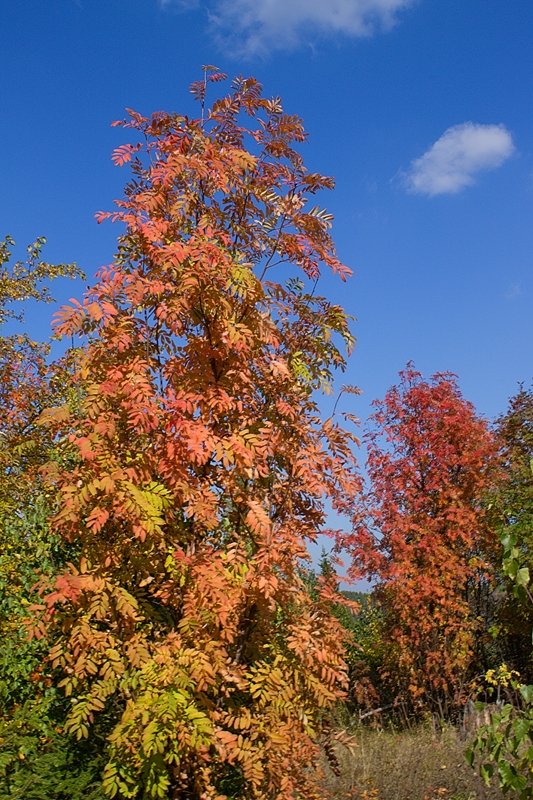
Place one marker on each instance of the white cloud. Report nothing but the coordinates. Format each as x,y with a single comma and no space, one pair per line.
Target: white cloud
462,151
178,5
256,27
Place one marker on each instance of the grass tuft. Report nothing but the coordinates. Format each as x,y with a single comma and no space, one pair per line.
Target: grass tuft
420,763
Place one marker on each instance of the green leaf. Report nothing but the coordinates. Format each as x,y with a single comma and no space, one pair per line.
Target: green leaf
522,576
486,771
527,693
510,567
509,778
507,541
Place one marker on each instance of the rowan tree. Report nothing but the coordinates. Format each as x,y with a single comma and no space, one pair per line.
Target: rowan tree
424,535
203,466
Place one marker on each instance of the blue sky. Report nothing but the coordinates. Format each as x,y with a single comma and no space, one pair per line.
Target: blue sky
421,110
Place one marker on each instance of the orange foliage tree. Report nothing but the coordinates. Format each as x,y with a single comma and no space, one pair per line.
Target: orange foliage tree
425,537
29,383
202,465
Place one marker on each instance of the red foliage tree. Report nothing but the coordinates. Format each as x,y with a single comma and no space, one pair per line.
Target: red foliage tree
425,535
202,465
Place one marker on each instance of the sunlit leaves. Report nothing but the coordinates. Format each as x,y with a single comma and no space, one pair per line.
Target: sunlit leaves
424,534
200,466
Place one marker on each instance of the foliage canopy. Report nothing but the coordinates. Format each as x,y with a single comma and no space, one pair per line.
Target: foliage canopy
425,535
199,464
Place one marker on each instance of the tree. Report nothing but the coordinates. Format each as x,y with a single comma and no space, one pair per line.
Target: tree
202,465
503,749
37,759
513,507
424,535
29,384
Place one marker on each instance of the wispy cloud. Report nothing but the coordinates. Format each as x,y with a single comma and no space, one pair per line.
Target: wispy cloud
257,27
513,291
178,5
454,160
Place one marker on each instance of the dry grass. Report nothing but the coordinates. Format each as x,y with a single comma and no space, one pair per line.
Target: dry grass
415,764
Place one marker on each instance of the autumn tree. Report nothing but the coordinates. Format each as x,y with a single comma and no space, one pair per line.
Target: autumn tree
424,535
37,759
29,384
201,465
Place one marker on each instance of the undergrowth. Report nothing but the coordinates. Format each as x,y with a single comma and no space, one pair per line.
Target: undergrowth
419,763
